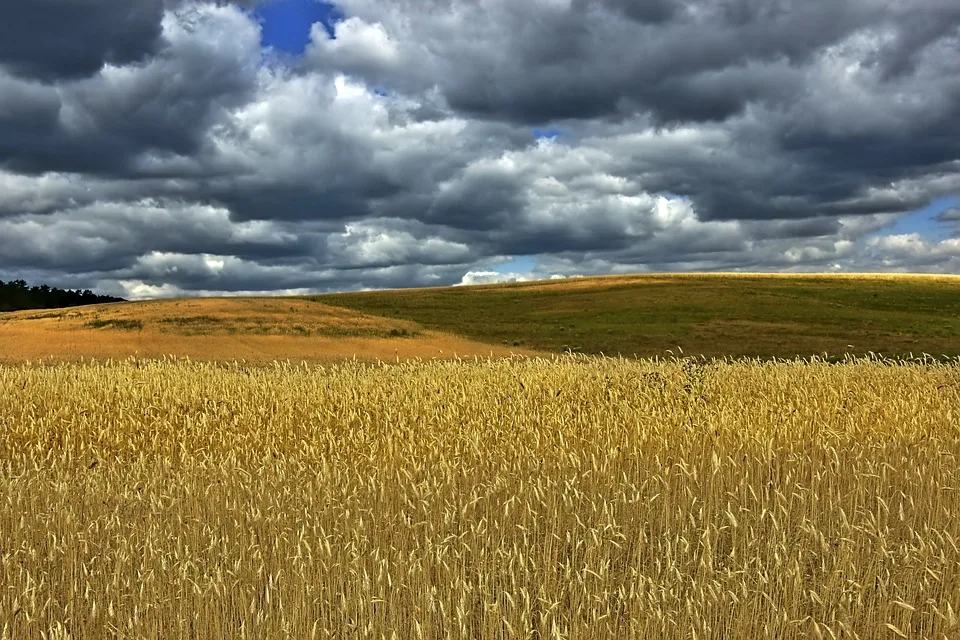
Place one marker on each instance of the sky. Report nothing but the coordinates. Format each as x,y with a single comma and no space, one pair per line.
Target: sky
153,148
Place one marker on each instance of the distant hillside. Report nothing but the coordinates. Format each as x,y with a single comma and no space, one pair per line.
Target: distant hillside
18,296
716,315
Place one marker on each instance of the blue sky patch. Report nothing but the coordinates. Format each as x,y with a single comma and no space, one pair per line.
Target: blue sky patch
286,24
923,221
518,264
548,132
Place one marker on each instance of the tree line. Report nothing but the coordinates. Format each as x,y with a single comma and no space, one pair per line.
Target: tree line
17,295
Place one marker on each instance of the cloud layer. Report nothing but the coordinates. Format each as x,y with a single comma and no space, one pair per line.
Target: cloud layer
160,148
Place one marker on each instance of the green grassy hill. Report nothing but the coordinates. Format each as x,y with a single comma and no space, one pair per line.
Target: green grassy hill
713,315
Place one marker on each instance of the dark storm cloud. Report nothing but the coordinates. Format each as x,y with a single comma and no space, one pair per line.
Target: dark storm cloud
102,124
919,27
535,62
692,134
807,228
202,274
299,202
649,12
477,202
950,215
110,236
818,97
54,39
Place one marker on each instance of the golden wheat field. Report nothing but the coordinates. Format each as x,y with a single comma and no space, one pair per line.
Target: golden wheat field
514,498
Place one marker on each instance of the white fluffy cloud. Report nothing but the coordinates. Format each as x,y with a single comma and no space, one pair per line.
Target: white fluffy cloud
493,277
356,45
908,251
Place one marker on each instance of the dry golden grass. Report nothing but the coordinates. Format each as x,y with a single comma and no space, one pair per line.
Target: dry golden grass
253,329
573,284
512,498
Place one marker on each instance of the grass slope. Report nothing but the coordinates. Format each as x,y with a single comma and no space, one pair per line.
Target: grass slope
714,315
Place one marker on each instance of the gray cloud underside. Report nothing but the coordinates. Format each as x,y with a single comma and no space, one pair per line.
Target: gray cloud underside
154,148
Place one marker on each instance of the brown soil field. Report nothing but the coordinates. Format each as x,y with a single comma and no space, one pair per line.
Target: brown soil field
252,329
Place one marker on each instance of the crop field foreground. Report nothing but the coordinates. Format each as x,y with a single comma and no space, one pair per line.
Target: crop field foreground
573,497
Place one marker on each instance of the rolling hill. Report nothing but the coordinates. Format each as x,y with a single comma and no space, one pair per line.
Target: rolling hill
253,329
716,315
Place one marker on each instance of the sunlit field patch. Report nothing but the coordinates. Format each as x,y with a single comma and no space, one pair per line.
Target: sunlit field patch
253,329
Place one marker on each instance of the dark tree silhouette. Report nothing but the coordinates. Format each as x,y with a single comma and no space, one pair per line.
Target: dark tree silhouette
16,295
